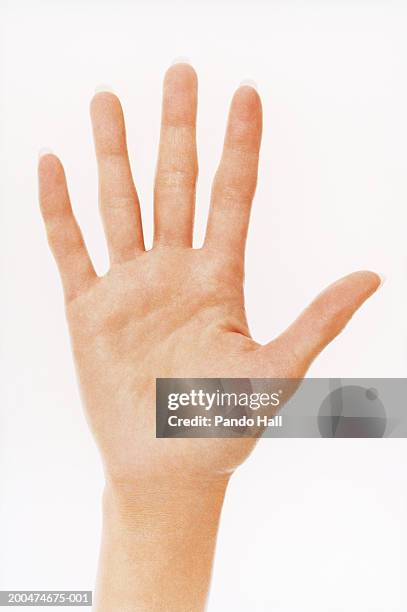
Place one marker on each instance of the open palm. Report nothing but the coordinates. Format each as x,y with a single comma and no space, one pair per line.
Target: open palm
173,311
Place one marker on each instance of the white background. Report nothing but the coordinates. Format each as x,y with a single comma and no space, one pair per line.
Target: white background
317,525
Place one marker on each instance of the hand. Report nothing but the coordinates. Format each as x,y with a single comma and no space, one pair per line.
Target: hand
172,311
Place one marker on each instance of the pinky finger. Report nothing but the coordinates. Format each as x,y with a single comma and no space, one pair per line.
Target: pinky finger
64,236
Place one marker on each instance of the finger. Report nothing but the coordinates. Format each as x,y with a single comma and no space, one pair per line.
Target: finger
325,318
64,236
236,177
177,167
118,198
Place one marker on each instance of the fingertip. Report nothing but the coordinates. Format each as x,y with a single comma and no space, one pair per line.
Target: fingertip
180,74
52,188
104,102
245,119
180,96
46,156
103,95
107,122
368,281
246,102
372,279
49,165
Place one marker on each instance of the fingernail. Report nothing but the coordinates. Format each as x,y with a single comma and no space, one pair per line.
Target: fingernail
44,151
181,60
103,88
382,279
249,83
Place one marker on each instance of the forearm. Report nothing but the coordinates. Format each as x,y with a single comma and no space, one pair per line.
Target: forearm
158,548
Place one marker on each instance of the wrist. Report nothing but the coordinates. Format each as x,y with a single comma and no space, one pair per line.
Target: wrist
158,545
134,504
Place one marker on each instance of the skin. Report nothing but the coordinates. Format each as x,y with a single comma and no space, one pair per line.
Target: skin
172,311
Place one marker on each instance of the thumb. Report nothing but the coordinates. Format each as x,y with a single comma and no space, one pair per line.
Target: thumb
324,318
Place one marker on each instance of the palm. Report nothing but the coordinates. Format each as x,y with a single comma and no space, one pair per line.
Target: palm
173,311
170,313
